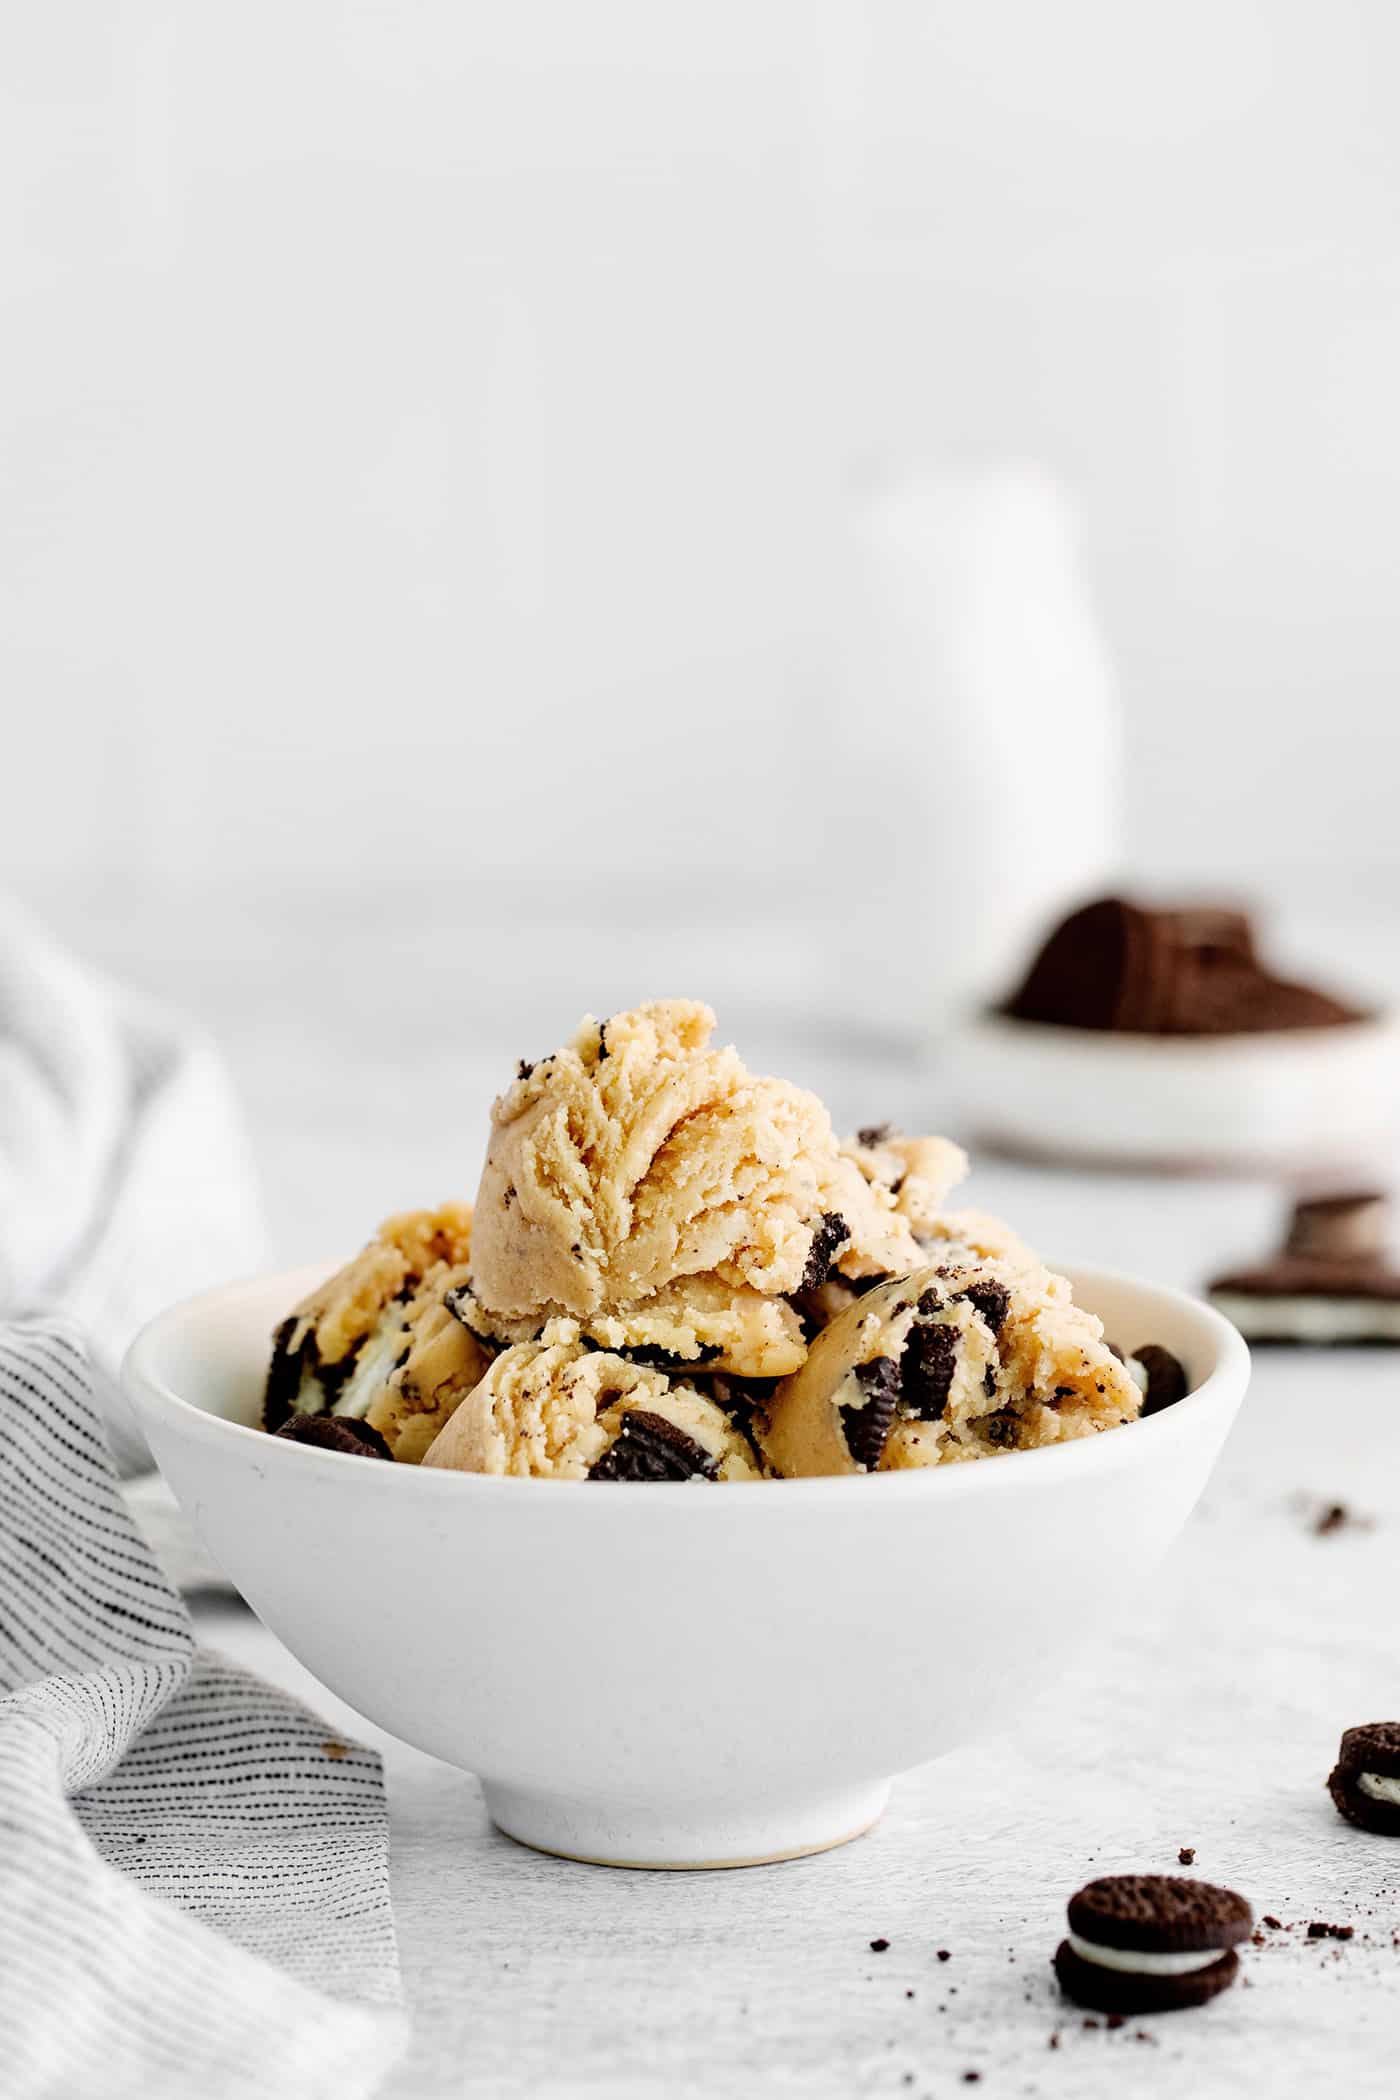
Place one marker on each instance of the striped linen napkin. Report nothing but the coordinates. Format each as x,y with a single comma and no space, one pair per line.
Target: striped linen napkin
194,1871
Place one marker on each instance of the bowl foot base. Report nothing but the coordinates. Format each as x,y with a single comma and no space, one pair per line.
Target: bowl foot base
681,1836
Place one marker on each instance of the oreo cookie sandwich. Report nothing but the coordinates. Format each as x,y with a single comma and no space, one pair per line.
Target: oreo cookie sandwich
1141,1943
1365,1781
1333,1281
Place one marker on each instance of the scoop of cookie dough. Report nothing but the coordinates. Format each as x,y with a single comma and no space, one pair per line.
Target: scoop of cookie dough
640,1154
562,1411
439,1362
696,1321
949,1363
334,1351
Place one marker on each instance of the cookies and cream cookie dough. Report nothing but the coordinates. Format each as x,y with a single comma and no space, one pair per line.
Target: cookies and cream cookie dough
676,1270
563,1411
945,1364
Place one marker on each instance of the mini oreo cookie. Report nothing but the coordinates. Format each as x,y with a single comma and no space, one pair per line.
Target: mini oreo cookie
336,1433
1141,1943
648,1447
1365,1781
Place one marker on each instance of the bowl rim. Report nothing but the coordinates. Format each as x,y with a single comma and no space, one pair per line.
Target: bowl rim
1221,1390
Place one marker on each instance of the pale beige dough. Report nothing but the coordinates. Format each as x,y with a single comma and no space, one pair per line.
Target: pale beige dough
697,1321
1037,1374
440,1362
553,1411
639,1154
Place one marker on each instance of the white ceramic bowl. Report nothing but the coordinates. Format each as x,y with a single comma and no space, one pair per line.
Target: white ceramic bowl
1302,1099
679,1675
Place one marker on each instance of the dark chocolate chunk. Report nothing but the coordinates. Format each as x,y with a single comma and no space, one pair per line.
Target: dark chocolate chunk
1373,1747
929,1361
1166,1379
648,1447
832,1233
991,1299
867,1428
336,1433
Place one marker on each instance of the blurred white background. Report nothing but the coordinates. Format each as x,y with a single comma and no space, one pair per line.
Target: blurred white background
429,436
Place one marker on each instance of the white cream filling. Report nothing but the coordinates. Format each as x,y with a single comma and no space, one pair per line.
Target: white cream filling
1379,1787
1131,1961
1298,1319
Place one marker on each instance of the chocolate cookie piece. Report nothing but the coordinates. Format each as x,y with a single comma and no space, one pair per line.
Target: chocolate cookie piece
1333,1282
1365,1781
1114,965
830,1236
648,1447
1094,971
285,1372
867,1428
1140,1943
335,1433
1166,1378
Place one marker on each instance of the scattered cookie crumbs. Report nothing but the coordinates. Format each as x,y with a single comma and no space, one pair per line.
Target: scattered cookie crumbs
335,1749
879,1946
1325,1519
1186,1856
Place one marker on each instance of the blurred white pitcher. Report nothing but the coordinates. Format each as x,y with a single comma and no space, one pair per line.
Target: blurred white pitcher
987,716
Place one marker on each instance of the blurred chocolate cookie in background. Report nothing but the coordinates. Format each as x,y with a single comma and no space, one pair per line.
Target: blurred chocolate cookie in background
1334,1280
1115,965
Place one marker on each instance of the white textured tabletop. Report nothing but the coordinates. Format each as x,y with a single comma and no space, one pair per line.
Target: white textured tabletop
1209,1721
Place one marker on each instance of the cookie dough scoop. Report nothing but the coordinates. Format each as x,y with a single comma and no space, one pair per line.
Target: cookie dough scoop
565,1411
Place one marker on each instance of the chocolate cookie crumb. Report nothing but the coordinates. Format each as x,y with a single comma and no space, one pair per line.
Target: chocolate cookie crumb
830,1235
1186,1856
879,1946
523,1068
1274,1924
945,1954
871,1136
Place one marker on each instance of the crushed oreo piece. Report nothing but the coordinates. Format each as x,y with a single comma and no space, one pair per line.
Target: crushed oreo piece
929,1361
989,1382
1166,1379
336,1433
867,1428
648,1447
602,1041
1000,1428
657,1359
930,1302
284,1373
871,1136
828,1237
523,1068
991,1299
